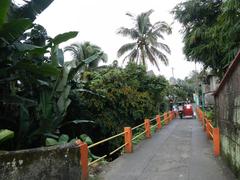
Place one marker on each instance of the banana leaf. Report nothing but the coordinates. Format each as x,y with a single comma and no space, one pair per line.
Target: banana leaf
63,139
43,70
64,37
4,6
11,31
51,142
15,99
32,49
5,135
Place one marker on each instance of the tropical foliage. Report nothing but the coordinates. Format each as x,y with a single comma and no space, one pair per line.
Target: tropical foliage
184,89
211,31
82,51
123,97
35,87
45,100
5,134
145,45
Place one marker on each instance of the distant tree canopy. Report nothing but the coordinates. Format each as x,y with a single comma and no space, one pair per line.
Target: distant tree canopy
211,31
184,89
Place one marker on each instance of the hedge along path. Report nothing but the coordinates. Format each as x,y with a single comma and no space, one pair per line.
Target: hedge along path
128,139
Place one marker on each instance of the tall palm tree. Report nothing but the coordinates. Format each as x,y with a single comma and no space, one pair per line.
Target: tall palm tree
145,35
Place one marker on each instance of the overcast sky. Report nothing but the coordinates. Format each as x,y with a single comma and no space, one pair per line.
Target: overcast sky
98,20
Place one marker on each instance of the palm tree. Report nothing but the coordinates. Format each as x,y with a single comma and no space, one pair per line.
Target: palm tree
145,36
83,52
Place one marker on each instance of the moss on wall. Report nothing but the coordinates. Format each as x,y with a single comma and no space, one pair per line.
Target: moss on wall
50,163
228,119
231,153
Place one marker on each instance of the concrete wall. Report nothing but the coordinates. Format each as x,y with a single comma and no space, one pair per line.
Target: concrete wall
48,163
228,118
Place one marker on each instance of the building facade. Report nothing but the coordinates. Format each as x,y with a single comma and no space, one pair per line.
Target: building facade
227,103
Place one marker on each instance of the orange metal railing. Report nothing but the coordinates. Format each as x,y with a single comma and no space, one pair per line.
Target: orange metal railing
128,139
211,132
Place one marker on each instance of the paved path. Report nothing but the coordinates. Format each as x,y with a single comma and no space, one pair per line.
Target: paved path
179,151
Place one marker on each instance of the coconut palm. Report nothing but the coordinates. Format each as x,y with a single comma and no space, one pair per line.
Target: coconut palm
82,51
145,45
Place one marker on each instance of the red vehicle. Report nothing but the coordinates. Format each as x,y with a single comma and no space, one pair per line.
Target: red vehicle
188,111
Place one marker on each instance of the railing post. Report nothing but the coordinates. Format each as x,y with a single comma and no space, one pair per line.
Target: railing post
216,141
169,116
165,118
203,120
147,128
128,139
173,115
158,119
83,159
197,111
204,124
200,116
208,129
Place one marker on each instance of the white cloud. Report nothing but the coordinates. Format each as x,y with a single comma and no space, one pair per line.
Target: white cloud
97,22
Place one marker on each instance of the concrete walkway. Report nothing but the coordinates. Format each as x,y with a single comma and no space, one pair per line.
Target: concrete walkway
179,151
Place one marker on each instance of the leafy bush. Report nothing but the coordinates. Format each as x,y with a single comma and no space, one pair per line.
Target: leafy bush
123,97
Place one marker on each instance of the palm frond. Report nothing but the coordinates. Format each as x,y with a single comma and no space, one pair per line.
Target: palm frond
130,15
76,51
128,32
143,23
152,38
151,57
160,55
149,12
164,47
104,58
162,27
125,48
132,55
83,51
159,35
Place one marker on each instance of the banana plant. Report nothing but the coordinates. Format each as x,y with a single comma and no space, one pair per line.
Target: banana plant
36,86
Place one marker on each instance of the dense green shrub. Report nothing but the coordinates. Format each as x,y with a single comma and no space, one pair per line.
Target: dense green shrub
123,97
